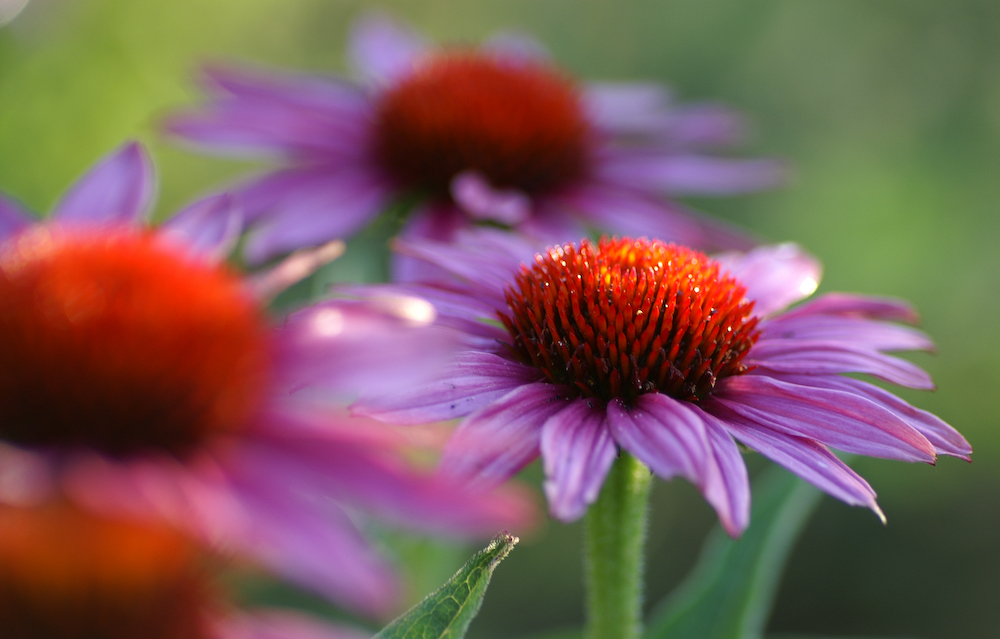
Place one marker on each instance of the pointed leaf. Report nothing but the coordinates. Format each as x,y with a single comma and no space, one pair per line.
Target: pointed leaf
447,613
729,593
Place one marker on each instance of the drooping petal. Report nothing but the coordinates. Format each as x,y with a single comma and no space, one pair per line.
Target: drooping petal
678,174
946,440
474,380
731,494
306,207
830,358
209,228
382,50
872,334
577,453
671,437
775,276
116,190
839,419
499,439
13,217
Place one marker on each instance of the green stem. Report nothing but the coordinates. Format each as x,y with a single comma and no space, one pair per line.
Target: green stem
614,553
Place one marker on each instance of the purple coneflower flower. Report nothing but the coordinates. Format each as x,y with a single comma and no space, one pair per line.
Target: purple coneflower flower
660,351
496,133
140,375
65,572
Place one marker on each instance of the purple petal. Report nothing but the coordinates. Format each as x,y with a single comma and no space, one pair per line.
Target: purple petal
327,460
626,107
828,358
308,207
499,439
281,624
262,111
843,420
474,380
210,227
382,50
699,125
473,193
946,440
268,283
690,174
26,477
851,305
116,190
577,452
13,217
865,333
626,212
436,221
808,459
775,276
672,438
347,347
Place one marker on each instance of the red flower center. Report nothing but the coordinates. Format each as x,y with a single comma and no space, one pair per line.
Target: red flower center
116,342
520,124
64,573
628,317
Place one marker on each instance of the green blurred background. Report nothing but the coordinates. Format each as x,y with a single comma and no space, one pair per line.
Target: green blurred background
889,112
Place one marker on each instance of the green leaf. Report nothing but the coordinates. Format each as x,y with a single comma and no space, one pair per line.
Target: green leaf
730,592
447,613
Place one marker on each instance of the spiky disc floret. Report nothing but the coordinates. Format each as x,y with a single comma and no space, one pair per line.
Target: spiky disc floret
627,317
519,124
113,341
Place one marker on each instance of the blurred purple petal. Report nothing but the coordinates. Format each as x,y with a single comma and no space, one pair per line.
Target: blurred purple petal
775,276
473,193
691,174
13,217
210,227
116,190
382,50
274,623
836,418
472,381
577,452
626,107
498,440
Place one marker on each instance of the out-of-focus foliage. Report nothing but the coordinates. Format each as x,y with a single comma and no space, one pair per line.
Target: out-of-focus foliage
889,113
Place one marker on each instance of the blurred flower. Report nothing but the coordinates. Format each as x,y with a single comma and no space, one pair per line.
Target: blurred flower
667,354
140,375
67,573
496,134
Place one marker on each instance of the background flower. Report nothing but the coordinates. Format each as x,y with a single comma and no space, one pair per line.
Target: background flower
141,376
495,134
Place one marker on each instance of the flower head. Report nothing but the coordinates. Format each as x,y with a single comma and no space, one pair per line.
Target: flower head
584,349
496,133
140,375
65,572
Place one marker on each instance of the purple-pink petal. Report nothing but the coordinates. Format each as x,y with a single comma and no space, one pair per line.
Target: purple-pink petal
501,438
474,380
852,305
775,276
382,50
807,458
700,125
873,334
116,190
474,194
13,217
210,227
839,419
671,437
626,107
946,440
306,207
280,624
831,357
676,174
730,495
577,453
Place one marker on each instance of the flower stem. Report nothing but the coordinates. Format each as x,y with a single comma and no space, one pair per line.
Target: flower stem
614,552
